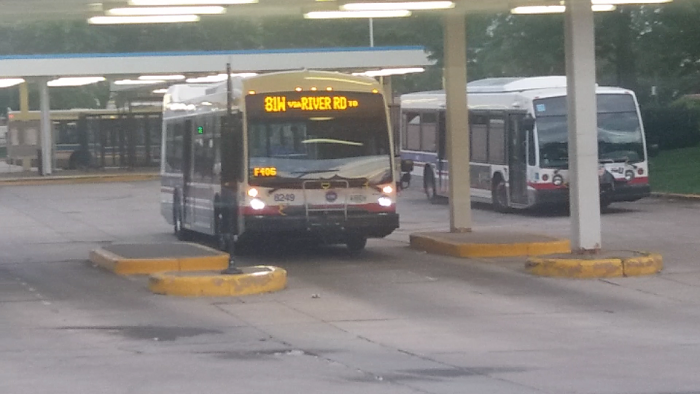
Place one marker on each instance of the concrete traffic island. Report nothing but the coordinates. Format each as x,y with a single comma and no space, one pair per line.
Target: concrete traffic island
149,258
251,280
488,243
96,177
605,264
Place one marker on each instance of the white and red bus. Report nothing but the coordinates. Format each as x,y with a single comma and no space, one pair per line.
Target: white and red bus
519,142
299,154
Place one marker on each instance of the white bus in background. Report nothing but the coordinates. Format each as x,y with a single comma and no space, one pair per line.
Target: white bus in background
519,142
299,154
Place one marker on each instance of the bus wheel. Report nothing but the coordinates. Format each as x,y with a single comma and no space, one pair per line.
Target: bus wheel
499,195
356,243
429,186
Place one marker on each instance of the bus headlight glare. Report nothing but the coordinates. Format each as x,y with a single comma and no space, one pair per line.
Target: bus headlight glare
253,192
558,180
629,175
384,201
387,189
257,204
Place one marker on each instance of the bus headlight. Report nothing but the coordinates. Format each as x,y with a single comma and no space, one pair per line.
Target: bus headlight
257,204
253,192
387,189
629,175
558,180
384,201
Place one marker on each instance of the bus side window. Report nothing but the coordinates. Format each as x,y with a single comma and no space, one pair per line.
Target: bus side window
429,132
173,159
412,131
442,136
497,141
478,145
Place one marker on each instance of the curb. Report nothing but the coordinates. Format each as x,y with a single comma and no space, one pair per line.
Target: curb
103,178
644,264
125,266
432,244
254,280
678,196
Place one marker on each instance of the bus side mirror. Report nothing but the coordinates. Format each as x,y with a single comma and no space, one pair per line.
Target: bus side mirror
406,165
653,150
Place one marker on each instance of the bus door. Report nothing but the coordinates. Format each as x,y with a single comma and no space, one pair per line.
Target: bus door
517,159
187,198
441,163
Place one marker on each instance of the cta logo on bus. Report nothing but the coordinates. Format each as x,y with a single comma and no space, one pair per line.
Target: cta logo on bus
331,196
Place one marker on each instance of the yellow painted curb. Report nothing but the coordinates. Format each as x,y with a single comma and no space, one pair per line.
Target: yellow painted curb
62,180
125,266
644,264
647,264
457,249
253,280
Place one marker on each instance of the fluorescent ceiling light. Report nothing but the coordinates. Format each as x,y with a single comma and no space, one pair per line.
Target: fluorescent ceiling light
120,20
161,77
391,71
9,82
417,5
132,11
189,2
556,9
619,2
356,14
160,91
218,78
137,82
76,81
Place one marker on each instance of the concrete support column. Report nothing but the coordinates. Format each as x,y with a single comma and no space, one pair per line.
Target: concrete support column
46,137
24,99
583,129
457,122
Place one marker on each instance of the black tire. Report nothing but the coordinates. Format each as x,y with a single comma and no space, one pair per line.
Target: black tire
429,186
499,195
356,243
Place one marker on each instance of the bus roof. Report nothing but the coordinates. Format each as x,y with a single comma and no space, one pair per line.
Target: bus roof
501,93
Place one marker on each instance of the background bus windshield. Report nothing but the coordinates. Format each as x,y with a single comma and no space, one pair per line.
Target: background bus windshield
321,147
619,130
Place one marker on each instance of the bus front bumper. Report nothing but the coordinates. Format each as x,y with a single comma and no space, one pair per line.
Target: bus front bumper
621,192
333,227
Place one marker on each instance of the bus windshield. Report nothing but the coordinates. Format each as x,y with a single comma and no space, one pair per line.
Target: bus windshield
321,147
619,130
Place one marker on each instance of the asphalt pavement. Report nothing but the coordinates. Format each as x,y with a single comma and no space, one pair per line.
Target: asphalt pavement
392,320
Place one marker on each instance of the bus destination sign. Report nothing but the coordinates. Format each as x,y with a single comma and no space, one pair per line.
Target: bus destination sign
278,103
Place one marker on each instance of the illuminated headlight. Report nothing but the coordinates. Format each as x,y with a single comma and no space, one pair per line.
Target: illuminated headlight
387,189
558,180
252,192
384,201
257,204
629,175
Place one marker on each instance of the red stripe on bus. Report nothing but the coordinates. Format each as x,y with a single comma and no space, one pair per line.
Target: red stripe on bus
642,180
274,210
544,186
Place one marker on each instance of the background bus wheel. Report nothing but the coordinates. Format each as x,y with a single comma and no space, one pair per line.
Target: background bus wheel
356,243
499,195
429,186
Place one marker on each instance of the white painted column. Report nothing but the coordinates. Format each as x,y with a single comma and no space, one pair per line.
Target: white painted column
46,137
457,122
583,129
